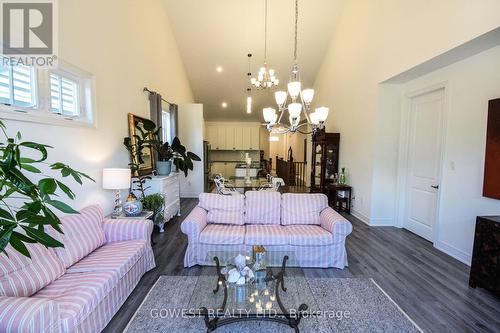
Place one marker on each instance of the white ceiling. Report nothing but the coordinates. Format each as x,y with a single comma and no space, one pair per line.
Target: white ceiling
222,32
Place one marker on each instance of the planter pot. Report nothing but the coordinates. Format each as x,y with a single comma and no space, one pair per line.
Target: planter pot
163,167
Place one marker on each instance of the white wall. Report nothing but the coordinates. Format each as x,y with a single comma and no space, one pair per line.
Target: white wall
376,40
470,84
191,128
127,45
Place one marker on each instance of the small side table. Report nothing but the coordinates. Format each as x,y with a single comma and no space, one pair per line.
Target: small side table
145,215
339,203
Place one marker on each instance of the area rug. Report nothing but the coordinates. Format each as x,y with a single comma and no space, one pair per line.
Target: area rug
359,305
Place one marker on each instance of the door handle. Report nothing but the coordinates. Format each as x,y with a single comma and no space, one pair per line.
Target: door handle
435,186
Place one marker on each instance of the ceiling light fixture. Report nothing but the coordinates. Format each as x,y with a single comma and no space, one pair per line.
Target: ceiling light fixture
249,101
266,78
224,105
219,69
300,102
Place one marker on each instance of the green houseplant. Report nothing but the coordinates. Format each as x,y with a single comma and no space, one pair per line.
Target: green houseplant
150,138
156,204
27,206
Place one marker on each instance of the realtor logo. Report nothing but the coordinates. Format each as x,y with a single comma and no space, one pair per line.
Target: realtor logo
29,31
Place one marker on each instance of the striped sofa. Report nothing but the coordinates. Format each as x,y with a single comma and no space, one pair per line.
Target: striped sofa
80,287
300,223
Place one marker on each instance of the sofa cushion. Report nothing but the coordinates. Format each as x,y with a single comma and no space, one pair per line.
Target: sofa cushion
302,208
83,233
78,294
266,235
118,256
308,235
222,234
224,209
263,207
22,277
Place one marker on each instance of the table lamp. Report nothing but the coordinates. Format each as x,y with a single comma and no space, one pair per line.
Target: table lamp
116,179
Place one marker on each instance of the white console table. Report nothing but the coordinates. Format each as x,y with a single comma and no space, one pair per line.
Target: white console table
169,187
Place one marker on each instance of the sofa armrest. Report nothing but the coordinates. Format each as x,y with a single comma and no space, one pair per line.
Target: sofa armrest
334,222
117,230
194,224
29,314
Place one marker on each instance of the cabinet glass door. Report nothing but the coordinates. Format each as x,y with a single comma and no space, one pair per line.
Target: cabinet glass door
331,157
317,164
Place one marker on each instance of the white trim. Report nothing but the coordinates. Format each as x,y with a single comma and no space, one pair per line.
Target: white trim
43,114
397,306
404,150
382,222
454,252
360,216
140,306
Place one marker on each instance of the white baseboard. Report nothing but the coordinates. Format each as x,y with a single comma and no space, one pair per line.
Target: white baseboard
382,222
454,252
360,216
373,222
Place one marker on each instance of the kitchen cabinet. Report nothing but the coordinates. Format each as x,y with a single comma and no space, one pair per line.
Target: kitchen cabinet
213,138
229,132
234,137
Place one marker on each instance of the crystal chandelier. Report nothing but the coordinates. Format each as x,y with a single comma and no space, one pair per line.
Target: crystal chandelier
300,102
266,78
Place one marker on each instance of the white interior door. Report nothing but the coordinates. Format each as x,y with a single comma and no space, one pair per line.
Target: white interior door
424,163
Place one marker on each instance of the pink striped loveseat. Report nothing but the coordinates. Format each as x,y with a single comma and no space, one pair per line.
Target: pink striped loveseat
299,223
80,287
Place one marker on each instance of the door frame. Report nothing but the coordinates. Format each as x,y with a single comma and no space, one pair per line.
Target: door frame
404,149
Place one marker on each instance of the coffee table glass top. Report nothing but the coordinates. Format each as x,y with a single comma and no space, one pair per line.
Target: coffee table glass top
270,258
261,296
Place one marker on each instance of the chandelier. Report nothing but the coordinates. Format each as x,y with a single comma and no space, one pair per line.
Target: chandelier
300,102
266,78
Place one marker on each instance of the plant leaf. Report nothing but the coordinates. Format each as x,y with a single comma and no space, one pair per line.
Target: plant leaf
66,190
19,246
61,206
30,168
42,237
47,186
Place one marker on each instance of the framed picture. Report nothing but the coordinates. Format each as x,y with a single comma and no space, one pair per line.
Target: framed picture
146,161
491,183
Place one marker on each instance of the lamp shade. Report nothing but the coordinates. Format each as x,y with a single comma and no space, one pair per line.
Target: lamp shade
314,118
115,179
269,114
308,95
294,109
322,113
294,88
280,97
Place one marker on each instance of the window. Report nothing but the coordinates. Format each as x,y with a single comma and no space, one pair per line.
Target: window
166,132
17,86
63,95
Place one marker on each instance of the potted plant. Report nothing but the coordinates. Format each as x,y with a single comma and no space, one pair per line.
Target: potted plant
165,154
156,204
27,206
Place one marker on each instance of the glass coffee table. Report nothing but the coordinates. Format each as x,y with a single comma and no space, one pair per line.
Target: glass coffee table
270,295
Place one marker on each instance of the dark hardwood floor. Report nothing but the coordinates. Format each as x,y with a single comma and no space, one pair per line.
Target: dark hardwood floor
430,286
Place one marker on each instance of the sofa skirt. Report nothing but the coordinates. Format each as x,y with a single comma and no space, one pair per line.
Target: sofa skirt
325,256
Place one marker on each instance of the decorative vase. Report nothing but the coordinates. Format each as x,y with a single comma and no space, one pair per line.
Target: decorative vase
163,167
132,206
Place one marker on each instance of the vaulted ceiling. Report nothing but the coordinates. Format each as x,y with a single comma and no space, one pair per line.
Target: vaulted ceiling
220,33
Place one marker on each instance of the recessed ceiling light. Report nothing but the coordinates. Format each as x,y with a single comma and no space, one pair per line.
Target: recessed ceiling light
219,69
224,104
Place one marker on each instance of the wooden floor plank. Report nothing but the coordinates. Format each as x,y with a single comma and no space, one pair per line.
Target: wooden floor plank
430,286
